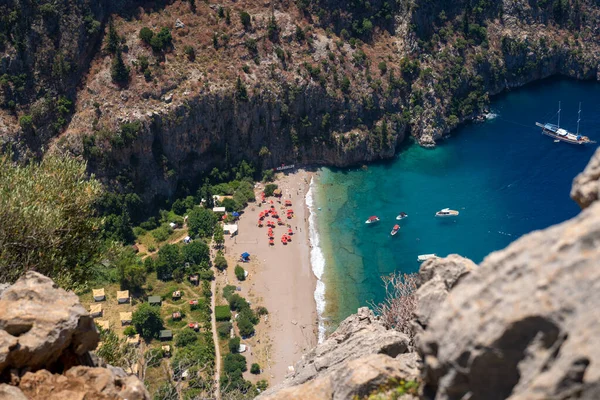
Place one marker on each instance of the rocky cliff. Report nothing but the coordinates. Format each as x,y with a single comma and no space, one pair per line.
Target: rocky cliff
45,339
521,325
319,82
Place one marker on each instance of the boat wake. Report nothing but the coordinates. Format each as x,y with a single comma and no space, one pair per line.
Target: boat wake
317,261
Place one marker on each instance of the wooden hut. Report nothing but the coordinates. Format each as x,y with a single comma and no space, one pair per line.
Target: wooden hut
176,294
154,300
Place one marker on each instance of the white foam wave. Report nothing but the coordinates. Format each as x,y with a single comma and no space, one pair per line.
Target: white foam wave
491,115
317,261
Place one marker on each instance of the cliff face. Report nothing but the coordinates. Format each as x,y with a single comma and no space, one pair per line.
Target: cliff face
45,339
320,82
522,325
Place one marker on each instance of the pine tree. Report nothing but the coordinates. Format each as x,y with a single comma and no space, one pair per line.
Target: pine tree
119,71
113,40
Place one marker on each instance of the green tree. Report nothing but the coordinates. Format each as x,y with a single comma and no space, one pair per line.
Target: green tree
26,122
119,71
241,93
201,222
234,362
195,252
185,338
245,326
269,189
147,321
234,344
273,29
48,219
218,236
245,19
169,258
113,40
134,276
255,369
161,40
240,273
237,302
220,263
146,35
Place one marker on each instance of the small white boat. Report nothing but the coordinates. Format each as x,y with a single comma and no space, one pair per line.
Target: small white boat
446,212
372,220
402,216
395,229
425,257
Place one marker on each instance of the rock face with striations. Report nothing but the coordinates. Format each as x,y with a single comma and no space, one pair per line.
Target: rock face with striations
357,358
525,324
45,337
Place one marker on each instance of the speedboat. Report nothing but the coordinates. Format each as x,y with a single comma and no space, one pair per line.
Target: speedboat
425,257
446,212
402,216
372,220
395,229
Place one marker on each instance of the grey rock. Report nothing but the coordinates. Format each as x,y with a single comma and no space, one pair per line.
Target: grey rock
359,335
41,323
437,277
524,325
586,186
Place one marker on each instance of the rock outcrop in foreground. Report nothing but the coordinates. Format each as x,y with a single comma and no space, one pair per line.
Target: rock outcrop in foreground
45,337
522,325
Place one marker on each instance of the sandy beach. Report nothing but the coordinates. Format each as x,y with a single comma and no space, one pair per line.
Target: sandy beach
280,279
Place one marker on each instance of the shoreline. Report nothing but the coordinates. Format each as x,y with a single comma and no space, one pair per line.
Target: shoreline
280,278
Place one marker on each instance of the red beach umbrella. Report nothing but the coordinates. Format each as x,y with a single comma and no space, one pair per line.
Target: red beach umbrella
290,231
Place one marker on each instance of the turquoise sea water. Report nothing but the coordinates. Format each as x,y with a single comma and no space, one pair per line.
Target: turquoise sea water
504,177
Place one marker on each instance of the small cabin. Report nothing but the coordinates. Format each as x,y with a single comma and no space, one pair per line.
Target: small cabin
165,335
176,294
230,229
98,294
96,310
194,279
123,296
154,300
125,317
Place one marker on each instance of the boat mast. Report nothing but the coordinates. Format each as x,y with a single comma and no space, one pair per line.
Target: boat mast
578,118
558,114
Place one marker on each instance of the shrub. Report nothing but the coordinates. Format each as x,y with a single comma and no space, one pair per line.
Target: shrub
207,275
146,35
161,40
345,84
190,52
397,309
300,35
129,331
162,233
262,311
234,344
234,362
269,189
240,273
178,275
251,45
147,321
262,385
255,369
224,329
382,67
268,175
222,313
220,263
185,338
241,93
245,19
153,357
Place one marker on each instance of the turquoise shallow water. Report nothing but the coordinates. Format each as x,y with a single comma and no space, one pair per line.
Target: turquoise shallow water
504,177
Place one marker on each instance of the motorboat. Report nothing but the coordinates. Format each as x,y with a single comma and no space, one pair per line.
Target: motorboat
395,229
372,220
446,212
402,215
425,257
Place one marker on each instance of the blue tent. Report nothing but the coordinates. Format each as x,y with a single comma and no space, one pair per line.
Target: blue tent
245,255
235,214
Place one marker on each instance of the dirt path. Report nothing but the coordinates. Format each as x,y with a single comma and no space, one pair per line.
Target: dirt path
213,322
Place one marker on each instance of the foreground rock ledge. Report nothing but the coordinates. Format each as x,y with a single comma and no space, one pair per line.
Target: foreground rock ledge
45,337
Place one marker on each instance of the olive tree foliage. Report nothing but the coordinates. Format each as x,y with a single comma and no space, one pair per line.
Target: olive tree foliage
48,219
398,307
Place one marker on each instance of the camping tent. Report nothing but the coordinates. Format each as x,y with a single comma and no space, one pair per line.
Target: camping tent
98,294
134,340
123,296
245,256
104,324
235,214
96,310
230,229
